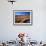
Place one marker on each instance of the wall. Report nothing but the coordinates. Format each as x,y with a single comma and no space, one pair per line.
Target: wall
37,31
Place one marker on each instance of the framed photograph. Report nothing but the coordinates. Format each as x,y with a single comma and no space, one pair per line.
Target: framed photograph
22,17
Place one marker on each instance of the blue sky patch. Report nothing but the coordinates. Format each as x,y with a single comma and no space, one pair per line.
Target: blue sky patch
23,13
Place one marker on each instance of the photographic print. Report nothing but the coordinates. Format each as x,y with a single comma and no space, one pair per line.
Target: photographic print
22,17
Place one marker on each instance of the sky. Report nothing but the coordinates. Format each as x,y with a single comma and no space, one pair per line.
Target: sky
23,13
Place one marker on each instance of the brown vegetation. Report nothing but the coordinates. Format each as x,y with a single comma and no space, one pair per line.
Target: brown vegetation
21,19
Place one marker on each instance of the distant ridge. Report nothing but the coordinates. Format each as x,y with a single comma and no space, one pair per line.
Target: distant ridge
22,15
